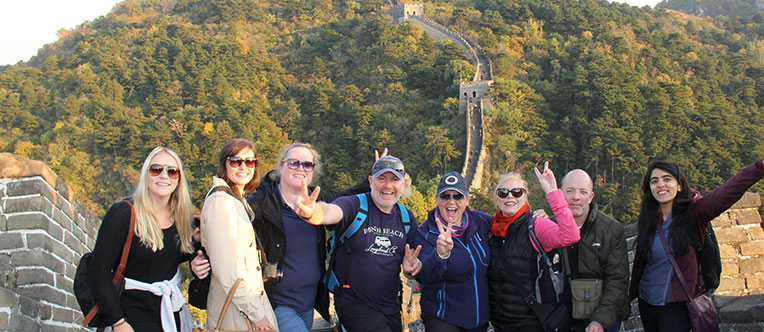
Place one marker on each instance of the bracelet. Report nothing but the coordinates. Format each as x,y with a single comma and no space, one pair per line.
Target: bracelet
118,323
445,258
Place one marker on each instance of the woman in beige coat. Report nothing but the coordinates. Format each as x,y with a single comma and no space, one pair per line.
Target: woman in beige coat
230,242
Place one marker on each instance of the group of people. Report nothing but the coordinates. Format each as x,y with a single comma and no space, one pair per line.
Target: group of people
265,238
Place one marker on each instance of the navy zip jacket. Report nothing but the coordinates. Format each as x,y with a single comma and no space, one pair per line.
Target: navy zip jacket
456,289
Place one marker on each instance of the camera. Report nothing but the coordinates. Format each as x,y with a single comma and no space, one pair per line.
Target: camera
271,271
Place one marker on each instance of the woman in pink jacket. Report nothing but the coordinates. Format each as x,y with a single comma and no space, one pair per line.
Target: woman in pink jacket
513,270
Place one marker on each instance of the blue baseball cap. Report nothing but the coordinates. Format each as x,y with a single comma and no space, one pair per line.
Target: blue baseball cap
453,181
388,164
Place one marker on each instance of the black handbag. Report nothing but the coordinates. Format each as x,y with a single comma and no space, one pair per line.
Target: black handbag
84,293
198,289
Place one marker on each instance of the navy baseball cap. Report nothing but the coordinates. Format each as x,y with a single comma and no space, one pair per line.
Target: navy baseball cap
452,181
388,164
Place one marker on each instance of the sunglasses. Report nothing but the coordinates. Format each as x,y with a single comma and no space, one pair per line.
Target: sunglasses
156,170
386,163
446,196
504,192
308,166
235,162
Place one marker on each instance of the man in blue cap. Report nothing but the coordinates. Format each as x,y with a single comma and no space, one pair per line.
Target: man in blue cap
368,265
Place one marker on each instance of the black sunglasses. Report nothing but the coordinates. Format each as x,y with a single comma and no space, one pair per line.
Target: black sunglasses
504,192
385,163
446,196
235,162
156,170
308,166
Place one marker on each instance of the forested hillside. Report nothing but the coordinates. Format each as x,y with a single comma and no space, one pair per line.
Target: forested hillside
583,83
728,8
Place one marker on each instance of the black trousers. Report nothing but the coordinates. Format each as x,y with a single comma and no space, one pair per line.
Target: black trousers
527,326
672,317
357,317
435,324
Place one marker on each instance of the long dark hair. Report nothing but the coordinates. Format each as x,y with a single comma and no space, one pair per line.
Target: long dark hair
230,149
650,215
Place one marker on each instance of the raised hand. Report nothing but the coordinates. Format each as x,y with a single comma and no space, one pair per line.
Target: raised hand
411,263
445,242
377,156
546,179
305,204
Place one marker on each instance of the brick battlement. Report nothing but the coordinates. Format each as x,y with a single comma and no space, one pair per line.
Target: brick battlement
44,230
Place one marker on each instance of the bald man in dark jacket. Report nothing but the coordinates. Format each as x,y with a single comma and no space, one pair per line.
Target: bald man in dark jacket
600,254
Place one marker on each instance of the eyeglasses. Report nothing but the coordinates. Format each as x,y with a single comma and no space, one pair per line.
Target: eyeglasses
308,166
446,196
504,192
388,163
235,162
156,170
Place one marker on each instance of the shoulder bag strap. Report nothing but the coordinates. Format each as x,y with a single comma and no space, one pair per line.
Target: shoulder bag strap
545,257
126,247
227,303
673,262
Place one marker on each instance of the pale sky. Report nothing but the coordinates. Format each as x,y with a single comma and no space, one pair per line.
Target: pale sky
27,25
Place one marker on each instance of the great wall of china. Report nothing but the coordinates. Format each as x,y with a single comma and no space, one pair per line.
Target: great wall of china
44,229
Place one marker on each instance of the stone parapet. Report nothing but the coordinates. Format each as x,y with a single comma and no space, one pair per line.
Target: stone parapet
44,230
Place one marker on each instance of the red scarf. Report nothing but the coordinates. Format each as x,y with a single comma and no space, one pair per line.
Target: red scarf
500,223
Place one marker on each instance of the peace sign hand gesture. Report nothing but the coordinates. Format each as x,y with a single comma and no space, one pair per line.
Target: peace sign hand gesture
304,205
445,242
411,263
546,179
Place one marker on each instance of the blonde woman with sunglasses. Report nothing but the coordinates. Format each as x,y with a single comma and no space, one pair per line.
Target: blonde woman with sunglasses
230,241
152,300
512,270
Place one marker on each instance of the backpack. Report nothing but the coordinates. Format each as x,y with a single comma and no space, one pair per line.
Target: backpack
82,291
330,278
709,258
707,252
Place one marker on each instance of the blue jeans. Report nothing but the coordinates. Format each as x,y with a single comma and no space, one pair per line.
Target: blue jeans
291,320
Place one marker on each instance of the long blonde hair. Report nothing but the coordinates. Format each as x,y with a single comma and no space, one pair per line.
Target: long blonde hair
146,225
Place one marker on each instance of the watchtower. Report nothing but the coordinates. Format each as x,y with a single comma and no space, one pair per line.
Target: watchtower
402,12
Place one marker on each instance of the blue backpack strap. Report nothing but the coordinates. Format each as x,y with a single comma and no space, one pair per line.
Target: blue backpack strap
330,278
405,217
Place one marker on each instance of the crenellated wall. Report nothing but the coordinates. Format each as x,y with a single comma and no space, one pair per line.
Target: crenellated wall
44,230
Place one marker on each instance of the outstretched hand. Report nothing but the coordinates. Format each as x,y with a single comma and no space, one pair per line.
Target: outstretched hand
411,263
546,179
445,242
377,156
305,204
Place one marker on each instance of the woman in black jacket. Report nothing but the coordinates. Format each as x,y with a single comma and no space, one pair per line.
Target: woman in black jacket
296,250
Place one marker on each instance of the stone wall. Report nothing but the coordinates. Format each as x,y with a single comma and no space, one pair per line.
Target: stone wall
44,230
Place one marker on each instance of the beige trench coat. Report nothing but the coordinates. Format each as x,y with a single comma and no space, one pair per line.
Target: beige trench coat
229,239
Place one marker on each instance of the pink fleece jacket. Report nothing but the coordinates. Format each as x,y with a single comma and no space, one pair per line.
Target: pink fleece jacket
561,234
